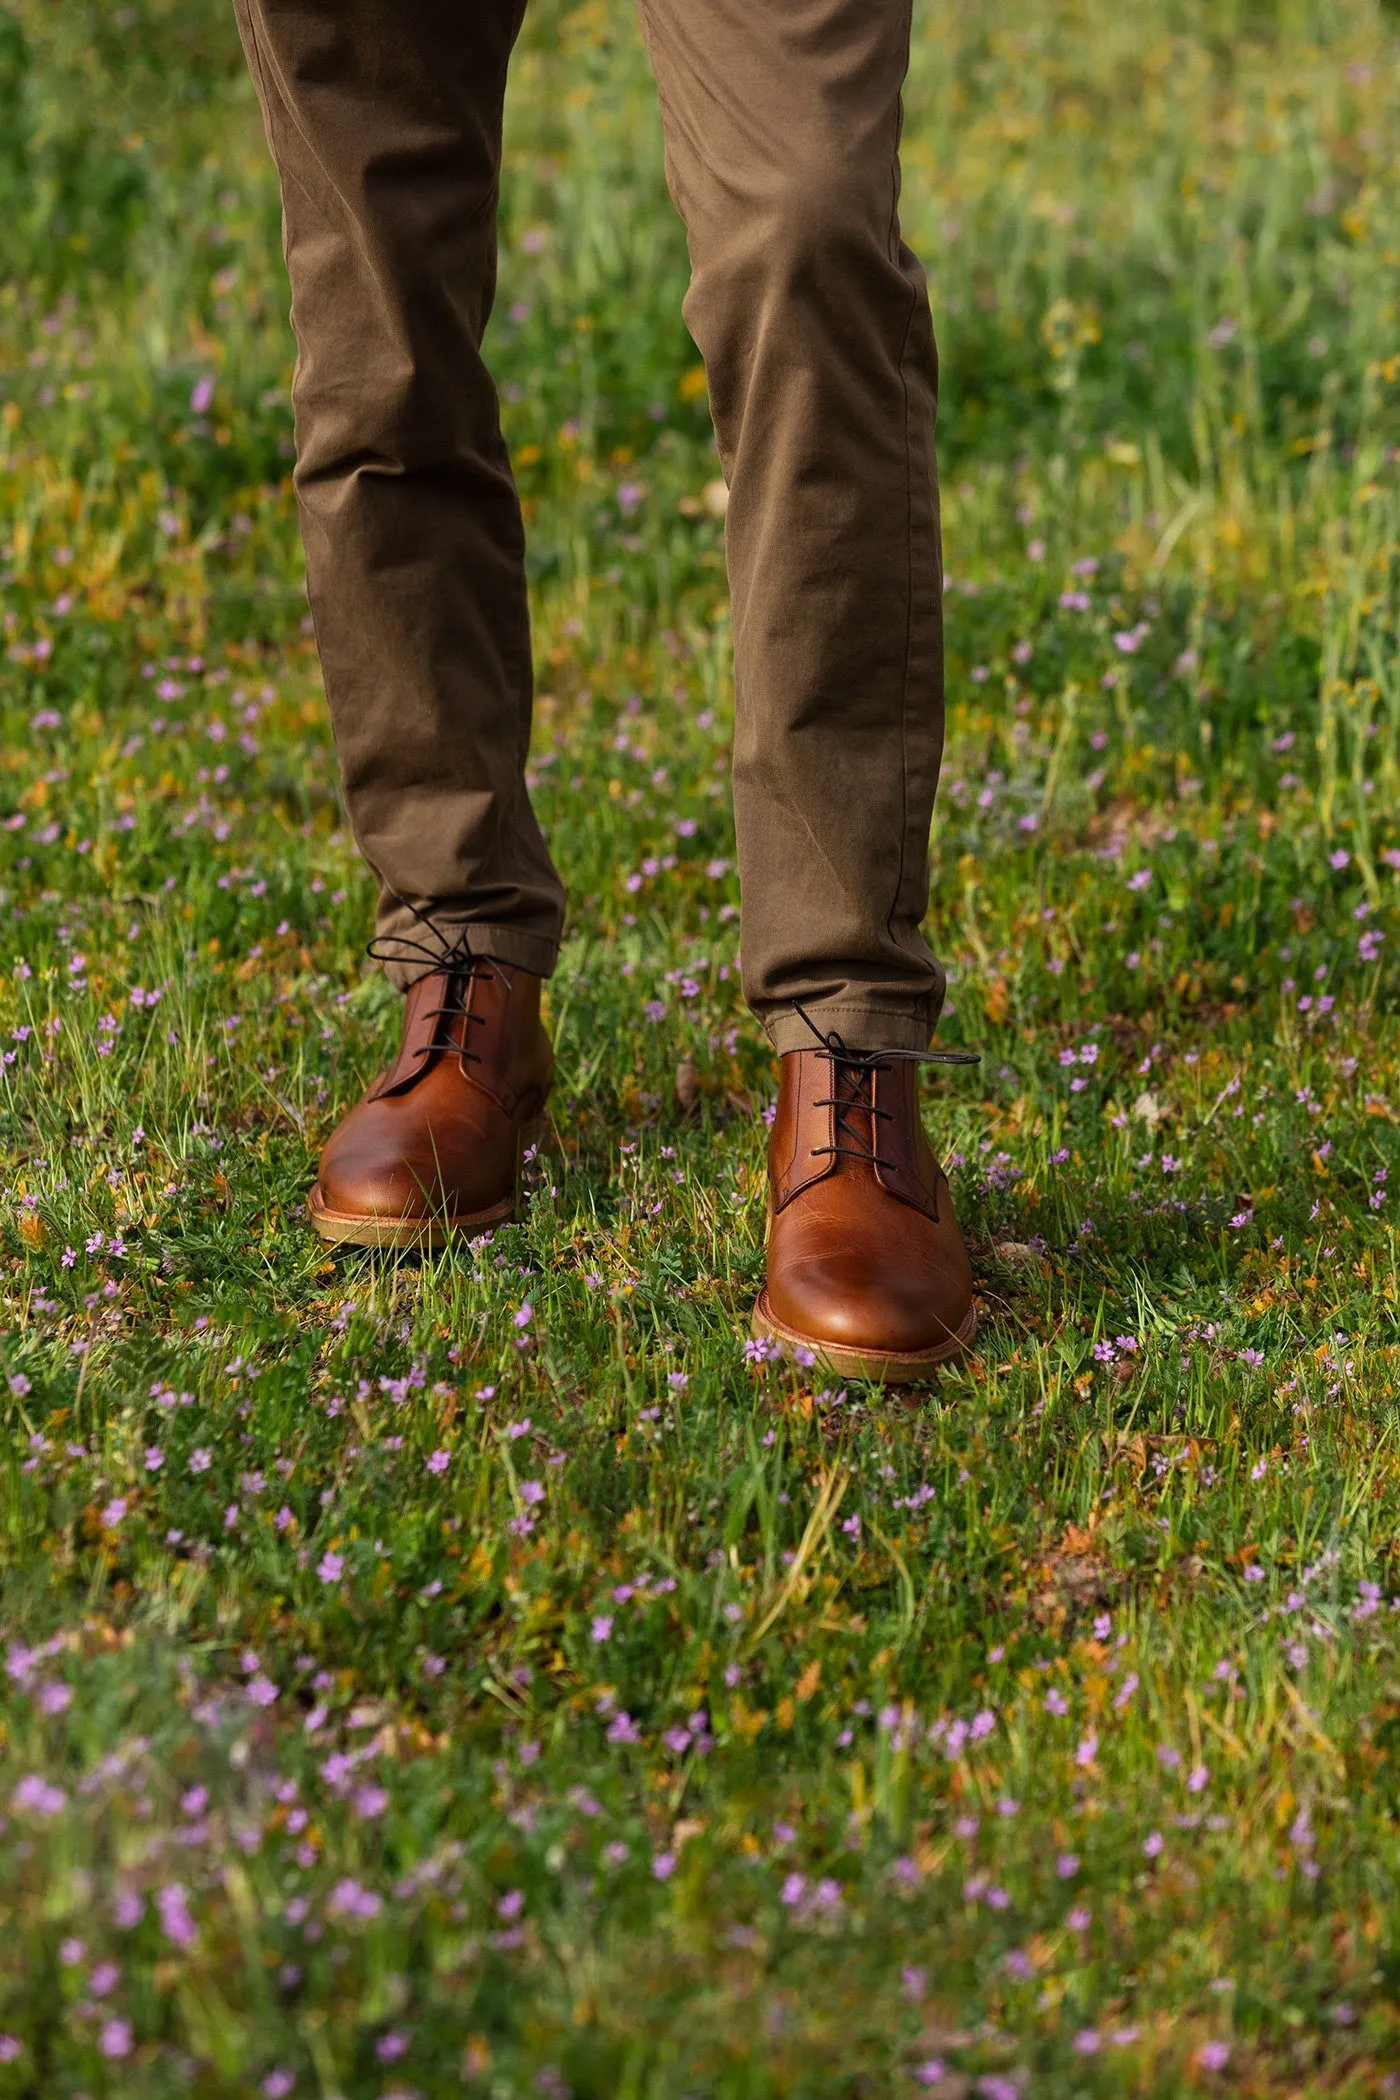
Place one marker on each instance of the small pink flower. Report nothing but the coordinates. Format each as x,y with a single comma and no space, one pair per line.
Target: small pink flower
36,1795
115,2038
176,1922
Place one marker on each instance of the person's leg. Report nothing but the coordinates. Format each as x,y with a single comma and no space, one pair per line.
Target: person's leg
384,117
782,134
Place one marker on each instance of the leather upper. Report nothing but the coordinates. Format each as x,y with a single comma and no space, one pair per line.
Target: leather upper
864,1248
438,1134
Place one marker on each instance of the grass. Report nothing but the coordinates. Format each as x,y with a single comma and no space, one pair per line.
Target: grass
475,1675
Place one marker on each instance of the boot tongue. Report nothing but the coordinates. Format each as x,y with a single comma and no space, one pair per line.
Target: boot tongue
889,1147
856,1133
428,1034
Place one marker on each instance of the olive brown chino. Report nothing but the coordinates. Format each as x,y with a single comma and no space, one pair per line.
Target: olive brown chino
782,122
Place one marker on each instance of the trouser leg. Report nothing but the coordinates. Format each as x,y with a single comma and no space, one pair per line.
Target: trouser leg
384,117
782,137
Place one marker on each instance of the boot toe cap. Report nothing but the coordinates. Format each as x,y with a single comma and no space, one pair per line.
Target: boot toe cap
364,1188
379,1165
866,1306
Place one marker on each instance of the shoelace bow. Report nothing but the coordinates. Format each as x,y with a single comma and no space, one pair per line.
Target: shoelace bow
857,1068
456,959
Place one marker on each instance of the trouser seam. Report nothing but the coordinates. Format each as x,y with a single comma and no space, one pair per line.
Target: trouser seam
893,244
245,12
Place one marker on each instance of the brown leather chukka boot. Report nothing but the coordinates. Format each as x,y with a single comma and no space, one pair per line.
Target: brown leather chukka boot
434,1147
866,1264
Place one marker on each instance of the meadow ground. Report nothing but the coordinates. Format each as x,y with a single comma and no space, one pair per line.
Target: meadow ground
482,1675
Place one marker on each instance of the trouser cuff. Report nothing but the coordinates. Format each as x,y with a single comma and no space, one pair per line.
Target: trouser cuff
505,944
862,1027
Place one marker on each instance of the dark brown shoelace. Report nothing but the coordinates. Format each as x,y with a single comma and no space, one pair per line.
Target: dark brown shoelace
457,962
854,1089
